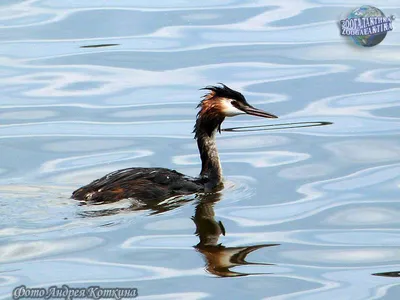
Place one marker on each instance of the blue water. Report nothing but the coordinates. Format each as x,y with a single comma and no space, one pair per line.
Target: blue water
315,209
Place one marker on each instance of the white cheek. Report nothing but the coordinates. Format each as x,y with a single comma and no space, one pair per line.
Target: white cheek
229,110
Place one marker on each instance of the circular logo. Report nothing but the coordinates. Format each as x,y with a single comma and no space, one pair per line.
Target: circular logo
367,26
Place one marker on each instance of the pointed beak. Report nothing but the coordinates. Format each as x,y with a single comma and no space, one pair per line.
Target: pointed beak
250,110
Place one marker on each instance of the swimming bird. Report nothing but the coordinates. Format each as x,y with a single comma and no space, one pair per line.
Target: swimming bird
151,185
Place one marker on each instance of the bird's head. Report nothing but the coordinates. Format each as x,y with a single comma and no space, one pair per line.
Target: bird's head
222,101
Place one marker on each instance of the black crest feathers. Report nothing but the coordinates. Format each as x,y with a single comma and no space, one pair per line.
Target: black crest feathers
224,91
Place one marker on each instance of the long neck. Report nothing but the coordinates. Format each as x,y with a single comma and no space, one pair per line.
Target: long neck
211,169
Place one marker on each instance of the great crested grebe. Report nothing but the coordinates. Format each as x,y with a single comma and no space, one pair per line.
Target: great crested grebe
150,185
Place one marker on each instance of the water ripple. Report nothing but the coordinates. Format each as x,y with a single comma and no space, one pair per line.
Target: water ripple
368,215
91,160
31,250
389,75
256,159
73,110
75,80
319,196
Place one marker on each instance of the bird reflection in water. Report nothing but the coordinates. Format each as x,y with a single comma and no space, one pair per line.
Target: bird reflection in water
219,259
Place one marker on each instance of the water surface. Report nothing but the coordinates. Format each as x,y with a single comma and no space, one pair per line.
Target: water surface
89,87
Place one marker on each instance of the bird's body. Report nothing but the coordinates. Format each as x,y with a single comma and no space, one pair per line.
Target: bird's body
151,185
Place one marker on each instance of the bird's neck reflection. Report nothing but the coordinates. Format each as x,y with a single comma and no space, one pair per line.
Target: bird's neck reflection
219,259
